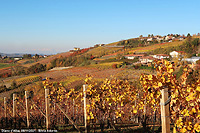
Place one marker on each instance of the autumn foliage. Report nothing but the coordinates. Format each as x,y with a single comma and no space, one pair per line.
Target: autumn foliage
185,97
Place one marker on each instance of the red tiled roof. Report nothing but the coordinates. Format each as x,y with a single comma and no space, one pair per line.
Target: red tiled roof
162,55
135,55
147,57
180,51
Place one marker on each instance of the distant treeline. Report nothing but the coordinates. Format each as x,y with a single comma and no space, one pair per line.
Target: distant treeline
133,43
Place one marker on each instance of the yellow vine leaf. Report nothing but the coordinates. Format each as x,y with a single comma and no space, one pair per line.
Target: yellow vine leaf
197,127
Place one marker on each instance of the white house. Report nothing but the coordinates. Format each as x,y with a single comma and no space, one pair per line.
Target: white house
168,38
149,39
161,56
133,56
17,58
76,49
177,54
146,59
192,59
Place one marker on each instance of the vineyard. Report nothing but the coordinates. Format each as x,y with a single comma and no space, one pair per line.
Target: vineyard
27,80
160,104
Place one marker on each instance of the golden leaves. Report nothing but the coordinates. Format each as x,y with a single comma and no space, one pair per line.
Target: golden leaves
179,123
197,127
185,98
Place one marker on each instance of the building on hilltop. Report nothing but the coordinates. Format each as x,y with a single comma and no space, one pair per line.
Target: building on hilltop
76,49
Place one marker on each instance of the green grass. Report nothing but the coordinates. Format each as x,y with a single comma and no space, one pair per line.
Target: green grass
29,61
4,65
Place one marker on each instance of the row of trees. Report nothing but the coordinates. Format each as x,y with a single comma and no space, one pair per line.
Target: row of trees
20,70
75,59
133,43
81,60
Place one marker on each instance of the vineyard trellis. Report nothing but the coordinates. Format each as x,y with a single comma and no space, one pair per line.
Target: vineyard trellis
113,104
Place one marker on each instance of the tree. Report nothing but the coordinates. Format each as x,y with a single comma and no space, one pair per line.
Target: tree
36,56
195,42
188,35
27,56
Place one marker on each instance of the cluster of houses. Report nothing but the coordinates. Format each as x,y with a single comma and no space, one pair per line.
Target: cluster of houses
39,56
74,50
144,59
20,58
168,38
14,58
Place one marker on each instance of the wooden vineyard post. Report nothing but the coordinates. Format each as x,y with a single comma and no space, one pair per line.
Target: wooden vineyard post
5,110
27,108
14,109
165,118
85,110
47,108
5,107
73,110
14,105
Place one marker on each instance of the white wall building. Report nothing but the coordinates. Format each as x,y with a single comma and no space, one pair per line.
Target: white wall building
161,56
192,59
177,54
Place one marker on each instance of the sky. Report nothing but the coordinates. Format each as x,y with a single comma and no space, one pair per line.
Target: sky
55,26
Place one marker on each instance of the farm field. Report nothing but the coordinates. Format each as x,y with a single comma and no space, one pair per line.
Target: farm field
5,65
73,77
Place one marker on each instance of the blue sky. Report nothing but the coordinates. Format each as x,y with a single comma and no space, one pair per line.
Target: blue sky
54,26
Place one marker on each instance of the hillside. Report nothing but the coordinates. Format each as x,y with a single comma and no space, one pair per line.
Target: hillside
100,62
43,60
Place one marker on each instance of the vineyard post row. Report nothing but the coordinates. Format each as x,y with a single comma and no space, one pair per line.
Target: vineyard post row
27,109
165,115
